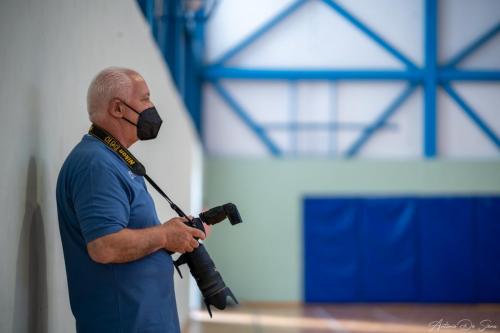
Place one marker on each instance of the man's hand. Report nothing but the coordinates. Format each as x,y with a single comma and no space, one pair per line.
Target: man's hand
208,229
179,237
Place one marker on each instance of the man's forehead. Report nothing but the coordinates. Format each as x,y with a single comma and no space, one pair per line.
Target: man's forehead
136,77
140,85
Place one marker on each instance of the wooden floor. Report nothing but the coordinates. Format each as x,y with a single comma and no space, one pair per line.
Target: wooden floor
352,318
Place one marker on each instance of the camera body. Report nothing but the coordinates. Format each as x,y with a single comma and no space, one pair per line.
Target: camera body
201,266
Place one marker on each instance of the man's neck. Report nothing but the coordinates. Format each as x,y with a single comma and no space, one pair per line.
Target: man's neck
117,132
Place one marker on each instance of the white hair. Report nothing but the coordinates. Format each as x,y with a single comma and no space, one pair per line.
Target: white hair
111,82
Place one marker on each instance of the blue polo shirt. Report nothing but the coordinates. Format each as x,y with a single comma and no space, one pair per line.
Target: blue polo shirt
98,195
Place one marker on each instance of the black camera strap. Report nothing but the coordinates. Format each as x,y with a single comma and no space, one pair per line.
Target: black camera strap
133,163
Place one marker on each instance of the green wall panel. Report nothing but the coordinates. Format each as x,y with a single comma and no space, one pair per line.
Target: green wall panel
261,259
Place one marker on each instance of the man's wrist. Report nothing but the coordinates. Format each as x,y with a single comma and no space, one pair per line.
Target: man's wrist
164,234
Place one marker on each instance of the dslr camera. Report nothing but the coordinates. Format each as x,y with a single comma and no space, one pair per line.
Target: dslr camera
201,266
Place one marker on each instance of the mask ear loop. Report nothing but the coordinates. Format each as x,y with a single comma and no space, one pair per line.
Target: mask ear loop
128,121
131,108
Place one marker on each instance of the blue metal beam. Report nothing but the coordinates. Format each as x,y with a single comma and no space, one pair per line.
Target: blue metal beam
150,12
243,115
259,32
472,114
467,75
472,47
196,49
430,79
215,73
370,33
381,120
180,55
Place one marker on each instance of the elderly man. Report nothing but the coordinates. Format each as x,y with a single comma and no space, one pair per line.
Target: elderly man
120,277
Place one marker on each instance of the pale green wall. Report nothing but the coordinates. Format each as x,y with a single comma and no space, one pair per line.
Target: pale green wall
261,259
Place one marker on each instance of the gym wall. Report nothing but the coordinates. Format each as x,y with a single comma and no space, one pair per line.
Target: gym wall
50,51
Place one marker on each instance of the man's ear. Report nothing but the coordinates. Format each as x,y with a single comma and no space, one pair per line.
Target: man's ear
115,108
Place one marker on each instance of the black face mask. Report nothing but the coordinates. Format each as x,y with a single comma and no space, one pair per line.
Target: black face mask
149,123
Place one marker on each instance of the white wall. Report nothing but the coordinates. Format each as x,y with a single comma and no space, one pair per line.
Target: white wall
317,37
49,51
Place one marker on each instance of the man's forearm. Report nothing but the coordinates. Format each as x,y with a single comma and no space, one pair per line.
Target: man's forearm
127,245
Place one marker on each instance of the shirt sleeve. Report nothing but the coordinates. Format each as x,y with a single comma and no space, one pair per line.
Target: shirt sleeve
101,201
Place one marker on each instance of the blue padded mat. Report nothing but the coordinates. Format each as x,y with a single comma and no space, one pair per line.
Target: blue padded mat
402,249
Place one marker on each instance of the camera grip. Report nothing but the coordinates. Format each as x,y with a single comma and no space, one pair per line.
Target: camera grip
196,223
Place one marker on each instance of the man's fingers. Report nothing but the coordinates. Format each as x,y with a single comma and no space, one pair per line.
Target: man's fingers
194,243
208,229
201,234
197,233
